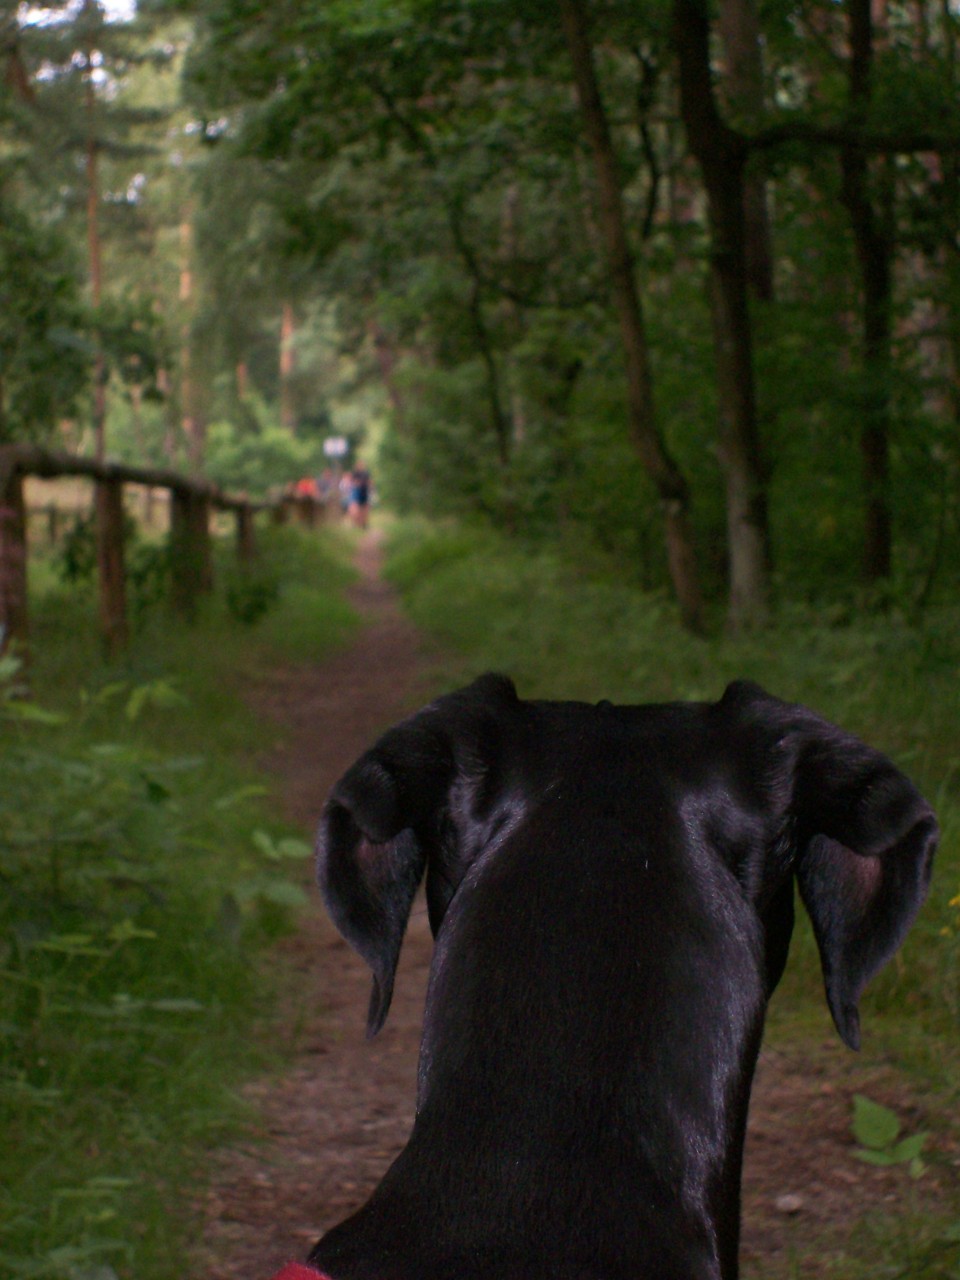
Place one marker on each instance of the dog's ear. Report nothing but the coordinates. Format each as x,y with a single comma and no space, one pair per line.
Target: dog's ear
370,852
866,839
369,886
387,816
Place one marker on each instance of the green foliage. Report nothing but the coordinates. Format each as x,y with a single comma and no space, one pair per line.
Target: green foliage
43,367
433,229
148,575
134,344
69,97
259,459
147,562
140,879
116,969
444,203
877,1130
250,594
301,574
77,553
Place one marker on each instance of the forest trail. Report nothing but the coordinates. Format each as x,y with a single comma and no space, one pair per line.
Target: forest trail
329,1125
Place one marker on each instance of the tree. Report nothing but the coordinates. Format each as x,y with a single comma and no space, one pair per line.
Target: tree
744,94
890,111
74,119
427,164
722,155
670,484
873,239
44,355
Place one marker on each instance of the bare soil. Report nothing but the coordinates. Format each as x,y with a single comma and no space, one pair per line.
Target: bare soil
330,1124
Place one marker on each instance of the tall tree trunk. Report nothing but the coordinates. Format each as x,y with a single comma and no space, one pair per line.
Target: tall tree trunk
743,92
13,557
722,153
95,262
510,308
874,256
111,569
170,435
15,75
288,329
192,423
660,466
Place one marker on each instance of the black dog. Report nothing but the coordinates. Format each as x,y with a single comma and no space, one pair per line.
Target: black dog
611,893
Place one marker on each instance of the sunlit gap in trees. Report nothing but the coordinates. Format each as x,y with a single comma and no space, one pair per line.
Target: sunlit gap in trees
40,15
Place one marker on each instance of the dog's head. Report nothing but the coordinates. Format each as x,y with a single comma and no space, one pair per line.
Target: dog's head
788,796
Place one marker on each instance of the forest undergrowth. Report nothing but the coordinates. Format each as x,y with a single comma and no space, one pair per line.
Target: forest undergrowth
144,873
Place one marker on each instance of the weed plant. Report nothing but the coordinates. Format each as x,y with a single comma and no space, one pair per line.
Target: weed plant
141,870
562,632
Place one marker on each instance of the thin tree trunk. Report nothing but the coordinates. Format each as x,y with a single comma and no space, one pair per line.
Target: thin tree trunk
874,255
191,421
95,263
743,92
660,466
722,153
13,560
288,329
111,566
15,75
510,308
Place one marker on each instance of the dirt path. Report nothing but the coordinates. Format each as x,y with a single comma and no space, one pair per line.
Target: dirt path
332,1123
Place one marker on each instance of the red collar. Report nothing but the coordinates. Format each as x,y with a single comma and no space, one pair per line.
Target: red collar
299,1271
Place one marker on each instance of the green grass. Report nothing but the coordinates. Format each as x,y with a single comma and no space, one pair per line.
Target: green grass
564,633
142,872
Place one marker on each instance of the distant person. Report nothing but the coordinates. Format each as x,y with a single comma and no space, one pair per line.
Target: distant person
359,495
345,486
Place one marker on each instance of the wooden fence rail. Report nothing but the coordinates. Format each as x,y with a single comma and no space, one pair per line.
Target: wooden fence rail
191,561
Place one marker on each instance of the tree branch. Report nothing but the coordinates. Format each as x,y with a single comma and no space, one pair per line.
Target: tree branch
853,136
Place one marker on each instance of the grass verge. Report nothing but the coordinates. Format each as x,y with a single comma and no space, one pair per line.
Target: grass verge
142,871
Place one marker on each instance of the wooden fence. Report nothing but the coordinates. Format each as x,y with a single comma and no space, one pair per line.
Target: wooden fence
191,561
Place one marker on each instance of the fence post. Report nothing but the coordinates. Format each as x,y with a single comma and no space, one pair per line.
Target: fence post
13,559
111,566
201,520
190,553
